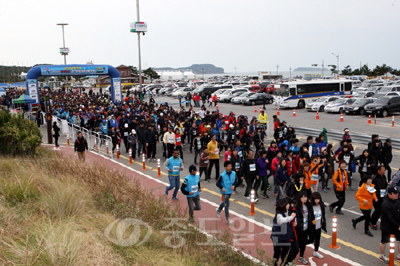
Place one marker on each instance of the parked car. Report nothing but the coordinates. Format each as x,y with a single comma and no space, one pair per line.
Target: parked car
362,94
320,103
257,98
238,99
383,106
181,91
383,94
338,105
236,94
252,88
390,89
207,90
357,107
229,94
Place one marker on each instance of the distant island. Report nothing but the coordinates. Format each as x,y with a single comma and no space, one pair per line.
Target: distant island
196,68
310,69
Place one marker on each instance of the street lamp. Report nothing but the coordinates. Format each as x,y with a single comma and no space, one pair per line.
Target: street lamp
64,51
337,57
277,69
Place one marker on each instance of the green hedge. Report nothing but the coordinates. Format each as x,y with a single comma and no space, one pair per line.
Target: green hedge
18,136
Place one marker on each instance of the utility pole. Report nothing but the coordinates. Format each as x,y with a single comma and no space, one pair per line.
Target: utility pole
337,67
140,56
65,54
277,69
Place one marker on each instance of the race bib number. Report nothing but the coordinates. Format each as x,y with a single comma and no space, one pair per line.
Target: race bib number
175,168
233,136
194,133
206,161
237,132
229,157
195,188
314,177
170,140
216,151
237,165
125,134
382,193
240,153
252,167
225,137
178,139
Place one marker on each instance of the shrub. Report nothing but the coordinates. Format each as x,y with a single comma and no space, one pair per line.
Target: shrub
19,189
18,136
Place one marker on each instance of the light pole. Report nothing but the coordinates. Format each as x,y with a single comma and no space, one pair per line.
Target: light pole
277,69
64,53
290,73
202,72
337,57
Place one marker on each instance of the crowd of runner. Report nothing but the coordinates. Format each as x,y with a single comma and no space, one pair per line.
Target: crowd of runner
294,172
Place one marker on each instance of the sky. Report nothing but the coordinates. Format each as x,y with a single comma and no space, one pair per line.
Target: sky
251,35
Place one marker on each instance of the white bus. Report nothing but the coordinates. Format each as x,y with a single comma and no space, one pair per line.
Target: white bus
297,94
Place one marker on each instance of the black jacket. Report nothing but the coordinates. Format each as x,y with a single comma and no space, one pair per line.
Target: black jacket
140,134
246,168
80,144
361,159
386,155
390,211
300,219
380,183
150,136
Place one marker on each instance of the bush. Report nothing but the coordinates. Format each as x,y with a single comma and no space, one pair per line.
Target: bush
18,136
19,190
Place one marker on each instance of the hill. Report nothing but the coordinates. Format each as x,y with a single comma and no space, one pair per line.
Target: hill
197,69
313,69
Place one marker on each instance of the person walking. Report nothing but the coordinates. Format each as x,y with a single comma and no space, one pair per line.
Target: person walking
174,165
318,208
365,196
250,174
213,155
262,163
390,224
226,183
203,162
282,231
190,188
150,137
387,156
81,146
170,140
132,140
280,179
341,184
56,135
380,183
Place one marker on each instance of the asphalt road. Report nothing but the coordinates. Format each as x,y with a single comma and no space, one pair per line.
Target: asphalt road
353,243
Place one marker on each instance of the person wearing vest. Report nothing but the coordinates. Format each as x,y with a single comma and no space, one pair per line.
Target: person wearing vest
226,183
190,188
341,184
282,231
365,196
173,165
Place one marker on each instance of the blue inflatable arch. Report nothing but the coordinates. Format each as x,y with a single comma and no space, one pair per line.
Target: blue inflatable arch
73,70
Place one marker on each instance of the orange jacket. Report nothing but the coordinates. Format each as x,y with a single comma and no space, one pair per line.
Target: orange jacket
363,194
338,180
307,175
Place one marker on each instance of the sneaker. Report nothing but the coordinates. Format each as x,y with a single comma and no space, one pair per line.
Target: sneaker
302,260
269,187
208,180
265,197
331,208
339,212
374,227
247,197
354,223
174,198
351,189
316,254
218,212
154,160
324,190
384,259
166,191
234,192
149,160
398,258
328,188
256,200
230,221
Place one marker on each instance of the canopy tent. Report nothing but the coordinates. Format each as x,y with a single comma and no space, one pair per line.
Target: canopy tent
4,85
18,84
2,91
24,99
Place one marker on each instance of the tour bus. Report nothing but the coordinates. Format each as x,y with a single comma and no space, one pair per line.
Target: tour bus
297,94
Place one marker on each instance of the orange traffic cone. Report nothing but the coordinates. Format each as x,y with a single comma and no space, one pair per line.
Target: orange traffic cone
392,121
369,119
294,112
317,116
341,118
277,111
255,109
216,106
260,109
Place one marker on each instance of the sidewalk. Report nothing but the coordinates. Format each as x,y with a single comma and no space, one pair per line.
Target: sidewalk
248,236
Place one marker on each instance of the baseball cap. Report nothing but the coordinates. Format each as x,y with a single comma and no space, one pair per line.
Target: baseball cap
388,140
392,190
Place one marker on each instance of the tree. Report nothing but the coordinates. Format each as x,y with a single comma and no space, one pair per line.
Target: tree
381,70
333,69
151,74
365,70
347,71
134,70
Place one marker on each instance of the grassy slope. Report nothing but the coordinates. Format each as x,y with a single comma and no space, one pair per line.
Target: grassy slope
54,211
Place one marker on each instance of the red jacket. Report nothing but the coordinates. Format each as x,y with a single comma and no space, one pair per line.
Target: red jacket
274,165
291,167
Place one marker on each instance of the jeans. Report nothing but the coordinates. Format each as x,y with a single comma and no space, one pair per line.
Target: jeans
196,153
212,162
174,182
225,204
367,217
141,148
279,191
194,205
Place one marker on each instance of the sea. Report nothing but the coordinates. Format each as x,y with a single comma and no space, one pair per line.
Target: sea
285,74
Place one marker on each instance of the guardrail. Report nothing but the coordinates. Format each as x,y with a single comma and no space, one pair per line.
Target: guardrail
337,135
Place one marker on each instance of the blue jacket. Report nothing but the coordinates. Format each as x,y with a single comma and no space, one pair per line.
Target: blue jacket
226,181
281,176
191,184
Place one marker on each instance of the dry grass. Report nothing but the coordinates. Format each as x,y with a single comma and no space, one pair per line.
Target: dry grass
58,210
